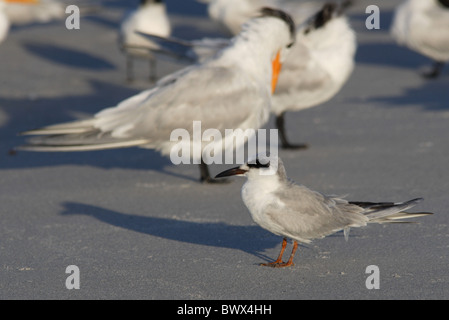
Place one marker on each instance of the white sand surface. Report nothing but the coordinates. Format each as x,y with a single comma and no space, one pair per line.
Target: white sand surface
139,227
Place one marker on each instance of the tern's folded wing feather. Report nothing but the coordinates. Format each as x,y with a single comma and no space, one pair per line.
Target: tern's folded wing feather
302,83
216,96
206,94
307,214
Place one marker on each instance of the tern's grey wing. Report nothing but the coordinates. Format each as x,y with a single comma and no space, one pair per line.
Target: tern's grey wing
425,32
302,73
187,51
207,48
304,214
219,97
435,44
302,83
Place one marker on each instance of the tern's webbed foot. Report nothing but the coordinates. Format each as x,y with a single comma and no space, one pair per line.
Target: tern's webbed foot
434,72
285,144
276,264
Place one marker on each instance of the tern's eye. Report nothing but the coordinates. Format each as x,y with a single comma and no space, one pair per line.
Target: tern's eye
290,45
259,165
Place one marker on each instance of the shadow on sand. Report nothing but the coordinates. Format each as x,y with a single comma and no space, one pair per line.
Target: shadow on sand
250,239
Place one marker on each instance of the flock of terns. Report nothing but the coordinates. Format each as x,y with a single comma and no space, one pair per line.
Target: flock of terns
283,56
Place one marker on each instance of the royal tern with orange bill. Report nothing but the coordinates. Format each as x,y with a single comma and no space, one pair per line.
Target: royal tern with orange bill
4,23
11,12
230,91
318,66
22,12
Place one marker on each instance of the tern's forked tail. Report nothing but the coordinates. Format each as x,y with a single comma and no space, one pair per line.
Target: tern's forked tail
76,136
389,212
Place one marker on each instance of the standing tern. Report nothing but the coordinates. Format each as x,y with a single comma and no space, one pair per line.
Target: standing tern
295,212
22,12
149,17
423,26
319,65
230,91
6,15
4,23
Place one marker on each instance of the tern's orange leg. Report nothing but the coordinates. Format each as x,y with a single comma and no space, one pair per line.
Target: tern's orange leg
279,259
290,261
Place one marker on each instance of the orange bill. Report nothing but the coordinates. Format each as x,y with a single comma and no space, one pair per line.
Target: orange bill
277,65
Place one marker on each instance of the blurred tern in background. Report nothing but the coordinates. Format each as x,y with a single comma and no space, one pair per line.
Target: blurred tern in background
13,12
230,91
4,23
295,212
319,65
232,14
423,26
150,17
22,12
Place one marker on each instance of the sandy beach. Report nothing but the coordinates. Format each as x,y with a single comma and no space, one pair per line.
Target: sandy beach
139,227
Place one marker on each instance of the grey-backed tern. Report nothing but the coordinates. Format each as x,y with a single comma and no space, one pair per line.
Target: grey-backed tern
423,26
296,212
230,91
150,17
319,65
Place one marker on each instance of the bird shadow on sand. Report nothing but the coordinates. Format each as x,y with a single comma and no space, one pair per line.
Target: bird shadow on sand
432,96
68,57
387,53
194,8
250,239
390,54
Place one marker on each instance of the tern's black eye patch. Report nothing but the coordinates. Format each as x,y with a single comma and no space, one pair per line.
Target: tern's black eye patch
259,165
444,3
324,15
